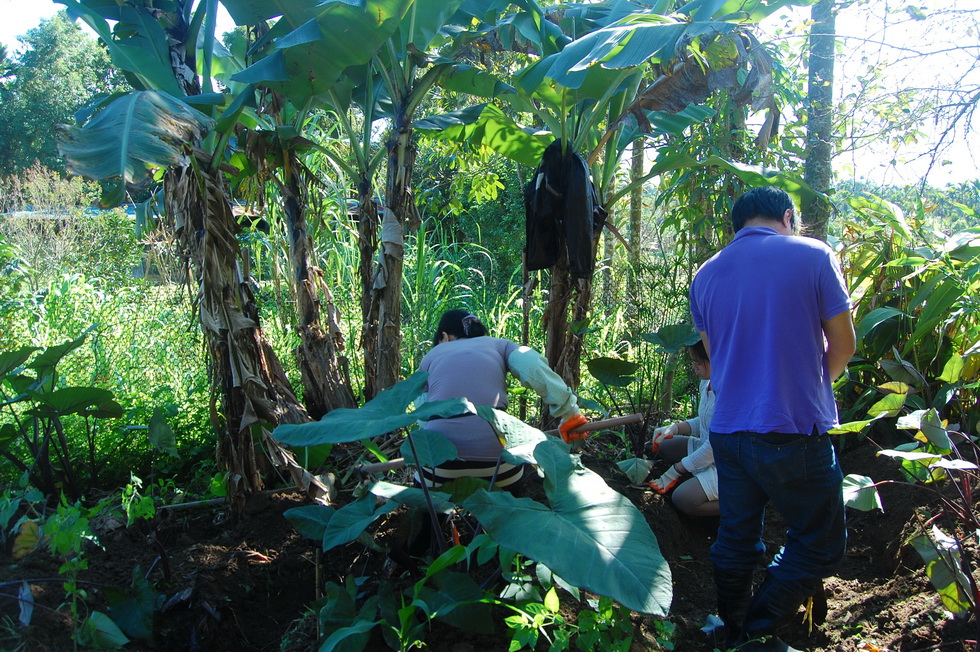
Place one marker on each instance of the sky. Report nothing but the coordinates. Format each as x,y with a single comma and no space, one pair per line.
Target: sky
862,35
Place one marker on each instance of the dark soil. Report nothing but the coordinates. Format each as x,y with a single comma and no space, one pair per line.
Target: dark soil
246,583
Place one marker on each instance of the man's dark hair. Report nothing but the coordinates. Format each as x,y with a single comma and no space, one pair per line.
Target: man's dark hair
767,202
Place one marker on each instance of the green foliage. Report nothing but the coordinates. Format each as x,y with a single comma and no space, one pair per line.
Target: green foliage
403,617
57,72
605,626
942,462
917,314
625,560
33,435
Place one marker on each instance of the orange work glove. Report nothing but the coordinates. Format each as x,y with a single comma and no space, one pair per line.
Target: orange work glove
662,433
571,423
666,482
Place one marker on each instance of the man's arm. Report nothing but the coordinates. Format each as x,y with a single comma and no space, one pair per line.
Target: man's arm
841,342
707,347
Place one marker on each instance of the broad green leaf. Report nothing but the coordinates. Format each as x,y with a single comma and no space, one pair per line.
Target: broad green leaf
894,387
350,520
673,337
889,406
464,78
335,640
72,400
612,371
519,439
433,448
412,496
938,307
451,590
902,371
955,465
941,555
963,246
875,317
860,493
500,133
462,488
310,59
383,414
138,130
310,520
133,610
10,360
851,426
425,19
46,361
452,556
912,456
335,527
143,55
102,632
606,545
952,370
931,426
253,12
442,121
636,469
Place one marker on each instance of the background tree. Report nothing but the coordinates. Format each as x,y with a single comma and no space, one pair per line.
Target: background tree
57,71
818,170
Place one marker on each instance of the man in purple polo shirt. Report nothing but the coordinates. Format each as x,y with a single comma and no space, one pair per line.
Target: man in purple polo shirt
774,313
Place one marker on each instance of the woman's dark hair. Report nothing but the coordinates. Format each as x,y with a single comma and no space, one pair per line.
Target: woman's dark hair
459,324
698,353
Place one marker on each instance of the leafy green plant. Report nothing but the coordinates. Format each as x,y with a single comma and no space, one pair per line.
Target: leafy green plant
942,462
604,626
33,435
628,566
403,616
135,505
631,387
66,533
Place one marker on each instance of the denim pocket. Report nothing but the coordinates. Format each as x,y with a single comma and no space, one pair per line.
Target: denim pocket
781,460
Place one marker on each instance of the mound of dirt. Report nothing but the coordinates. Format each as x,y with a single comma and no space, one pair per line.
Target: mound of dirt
245,584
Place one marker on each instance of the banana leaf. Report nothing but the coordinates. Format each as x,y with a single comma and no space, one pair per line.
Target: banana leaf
137,130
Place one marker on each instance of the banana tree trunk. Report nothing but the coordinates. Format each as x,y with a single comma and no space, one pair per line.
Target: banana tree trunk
246,375
368,226
383,369
563,347
324,371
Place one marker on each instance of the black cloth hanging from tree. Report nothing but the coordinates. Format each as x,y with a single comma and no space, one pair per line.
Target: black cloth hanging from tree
561,205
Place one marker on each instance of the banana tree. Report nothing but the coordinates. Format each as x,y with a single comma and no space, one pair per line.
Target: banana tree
384,57
158,126
632,70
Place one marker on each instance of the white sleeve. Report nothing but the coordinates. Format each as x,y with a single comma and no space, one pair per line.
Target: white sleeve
532,370
700,458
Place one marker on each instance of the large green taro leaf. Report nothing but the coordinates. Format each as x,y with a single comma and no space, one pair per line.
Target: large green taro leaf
385,413
591,536
335,527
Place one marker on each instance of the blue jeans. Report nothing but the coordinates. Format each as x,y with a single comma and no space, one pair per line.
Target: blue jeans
800,475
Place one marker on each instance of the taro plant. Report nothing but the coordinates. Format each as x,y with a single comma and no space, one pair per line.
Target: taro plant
588,534
632,387
941,461
34,435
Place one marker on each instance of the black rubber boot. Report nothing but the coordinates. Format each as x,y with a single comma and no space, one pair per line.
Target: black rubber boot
734,596
775,604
